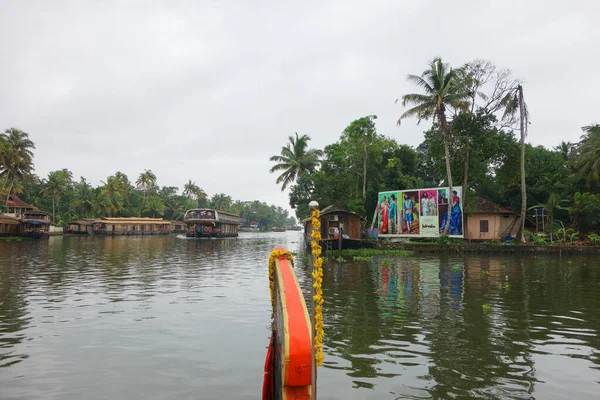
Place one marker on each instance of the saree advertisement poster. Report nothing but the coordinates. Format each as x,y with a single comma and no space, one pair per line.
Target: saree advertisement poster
419,213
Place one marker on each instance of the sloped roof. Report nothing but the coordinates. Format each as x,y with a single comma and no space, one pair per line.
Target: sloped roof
8,220
132,220
483,206
335,209
15,202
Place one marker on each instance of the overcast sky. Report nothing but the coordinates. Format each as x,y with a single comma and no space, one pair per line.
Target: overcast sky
208,90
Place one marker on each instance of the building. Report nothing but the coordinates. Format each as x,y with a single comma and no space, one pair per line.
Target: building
82,226
489,221
32,221
335,219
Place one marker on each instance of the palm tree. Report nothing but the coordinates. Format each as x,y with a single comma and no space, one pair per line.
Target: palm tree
146,181
56,185
295,160
155,205
514,101
189,189
585,158
16,157
441,91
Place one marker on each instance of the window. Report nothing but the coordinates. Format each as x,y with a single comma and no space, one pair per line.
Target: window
484,226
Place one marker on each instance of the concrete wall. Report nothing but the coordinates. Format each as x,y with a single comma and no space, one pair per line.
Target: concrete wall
497,225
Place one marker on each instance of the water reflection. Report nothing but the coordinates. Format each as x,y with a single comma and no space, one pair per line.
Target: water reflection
165,316
475,326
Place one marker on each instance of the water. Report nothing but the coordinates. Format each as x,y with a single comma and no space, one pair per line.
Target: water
164,317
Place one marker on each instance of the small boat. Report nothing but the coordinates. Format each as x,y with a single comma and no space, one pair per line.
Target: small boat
211,223
276,229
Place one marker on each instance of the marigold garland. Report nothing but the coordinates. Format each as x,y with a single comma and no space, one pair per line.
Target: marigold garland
275,254
317,275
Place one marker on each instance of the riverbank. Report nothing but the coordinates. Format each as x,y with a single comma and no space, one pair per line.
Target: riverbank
420,247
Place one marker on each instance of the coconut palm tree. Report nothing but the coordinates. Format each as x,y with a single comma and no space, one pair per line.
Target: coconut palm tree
513,102
146,181
441,91
295,160
56,185
16,157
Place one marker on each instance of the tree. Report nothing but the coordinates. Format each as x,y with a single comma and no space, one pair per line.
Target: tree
585,156
146,181
295,160
514,101
155,205
56,185
442,90
16,158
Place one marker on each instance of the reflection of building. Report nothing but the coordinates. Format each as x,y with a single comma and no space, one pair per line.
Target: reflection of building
489,221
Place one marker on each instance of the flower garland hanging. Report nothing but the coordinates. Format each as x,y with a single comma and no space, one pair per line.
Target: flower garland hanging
275,254
317,275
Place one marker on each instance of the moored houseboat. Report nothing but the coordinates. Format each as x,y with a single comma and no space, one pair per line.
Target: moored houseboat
178,227
82,226
131,226
9,226
206,222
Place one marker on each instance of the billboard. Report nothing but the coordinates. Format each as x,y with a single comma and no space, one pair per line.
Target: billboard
419,213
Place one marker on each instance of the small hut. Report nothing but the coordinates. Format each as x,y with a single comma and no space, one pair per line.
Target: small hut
339,228
490,221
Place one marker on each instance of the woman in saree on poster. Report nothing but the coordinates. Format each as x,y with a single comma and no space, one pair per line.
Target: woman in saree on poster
384,215
455,216
392,214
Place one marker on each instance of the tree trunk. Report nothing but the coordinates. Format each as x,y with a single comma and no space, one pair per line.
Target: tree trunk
8,194
450,188
465,178
53,213
364,190
446,136
523,185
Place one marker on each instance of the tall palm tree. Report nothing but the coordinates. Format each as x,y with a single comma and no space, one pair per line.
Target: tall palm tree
513,102
441,90
146,181
16,157
295,160
189,189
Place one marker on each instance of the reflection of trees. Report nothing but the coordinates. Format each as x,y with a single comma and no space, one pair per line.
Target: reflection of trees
352,318
14,317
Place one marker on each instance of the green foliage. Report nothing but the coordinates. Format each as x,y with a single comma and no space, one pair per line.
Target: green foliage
586,211
486,308
443,240
594,238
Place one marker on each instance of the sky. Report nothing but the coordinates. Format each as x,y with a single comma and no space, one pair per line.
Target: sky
209,90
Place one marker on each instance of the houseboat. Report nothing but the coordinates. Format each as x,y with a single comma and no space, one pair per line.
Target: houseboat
9,226
82,226
131,226
277,229
205,222
178,227
33,222
336,220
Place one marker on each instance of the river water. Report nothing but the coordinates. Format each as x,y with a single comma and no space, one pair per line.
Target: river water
164,317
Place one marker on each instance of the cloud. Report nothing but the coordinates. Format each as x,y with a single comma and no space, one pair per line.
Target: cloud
208,91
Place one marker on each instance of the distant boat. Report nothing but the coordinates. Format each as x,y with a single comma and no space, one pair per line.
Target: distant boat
275,229
294,228
207,222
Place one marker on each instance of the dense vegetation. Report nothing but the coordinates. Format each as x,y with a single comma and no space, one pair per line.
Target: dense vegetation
477,136
68,199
